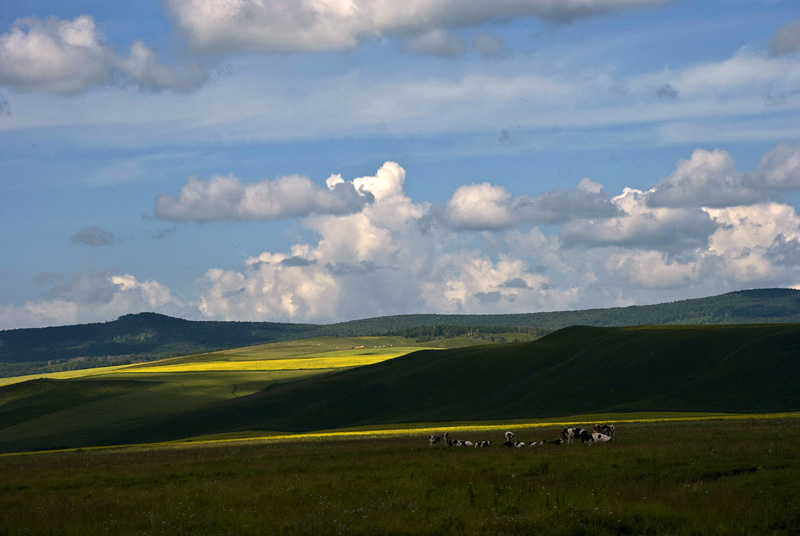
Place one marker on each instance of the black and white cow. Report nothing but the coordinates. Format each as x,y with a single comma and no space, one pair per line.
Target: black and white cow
509,439
433,439
483,444
569,434
605,429
597,437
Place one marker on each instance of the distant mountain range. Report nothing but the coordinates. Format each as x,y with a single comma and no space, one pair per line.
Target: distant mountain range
147,336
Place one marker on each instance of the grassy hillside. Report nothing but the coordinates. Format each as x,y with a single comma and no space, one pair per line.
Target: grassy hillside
578,370
95,405
149,336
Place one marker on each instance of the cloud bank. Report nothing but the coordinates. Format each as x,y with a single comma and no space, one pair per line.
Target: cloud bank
397,256
377,252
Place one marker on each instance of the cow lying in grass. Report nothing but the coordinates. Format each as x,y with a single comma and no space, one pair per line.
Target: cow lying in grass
597,437
605,429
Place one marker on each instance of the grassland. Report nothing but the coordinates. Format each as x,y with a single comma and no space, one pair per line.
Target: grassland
669,477
93,406
321,353
295,386
364,466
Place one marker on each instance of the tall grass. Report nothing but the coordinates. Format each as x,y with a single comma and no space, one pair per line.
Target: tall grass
692,477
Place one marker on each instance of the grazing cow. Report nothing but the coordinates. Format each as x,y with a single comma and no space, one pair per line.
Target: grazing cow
569,434
433,439
483,444
605,429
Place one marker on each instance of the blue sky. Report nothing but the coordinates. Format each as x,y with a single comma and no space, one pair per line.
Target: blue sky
327,160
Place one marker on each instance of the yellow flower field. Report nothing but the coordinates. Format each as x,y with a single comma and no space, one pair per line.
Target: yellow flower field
312,363
260,360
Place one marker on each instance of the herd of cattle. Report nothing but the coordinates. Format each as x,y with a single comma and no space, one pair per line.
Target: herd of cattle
601,433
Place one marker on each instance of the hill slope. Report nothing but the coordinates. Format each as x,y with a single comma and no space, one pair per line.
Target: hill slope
144,334
573,371
150,336
578,370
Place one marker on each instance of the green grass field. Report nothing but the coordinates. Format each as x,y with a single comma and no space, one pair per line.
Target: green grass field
670,477
322,383
88,406
365,466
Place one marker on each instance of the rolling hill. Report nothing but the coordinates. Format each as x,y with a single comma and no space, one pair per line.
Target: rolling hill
148,336
576,370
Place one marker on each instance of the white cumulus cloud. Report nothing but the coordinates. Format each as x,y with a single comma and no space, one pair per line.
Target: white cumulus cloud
710,179
226,197
485,206
70,56
93,297
60,56
642,227
274,25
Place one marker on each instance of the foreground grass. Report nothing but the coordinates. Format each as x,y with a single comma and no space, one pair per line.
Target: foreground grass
670,477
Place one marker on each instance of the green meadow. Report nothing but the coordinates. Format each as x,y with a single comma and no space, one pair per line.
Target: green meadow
702,475
90,406
329,436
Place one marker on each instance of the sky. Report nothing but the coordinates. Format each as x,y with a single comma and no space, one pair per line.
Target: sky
328,160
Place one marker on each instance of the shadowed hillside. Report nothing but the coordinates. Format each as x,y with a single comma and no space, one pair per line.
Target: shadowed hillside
578,370
148,336
136,337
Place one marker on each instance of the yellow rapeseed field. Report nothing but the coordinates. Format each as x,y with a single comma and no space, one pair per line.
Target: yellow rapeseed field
234,361
311,363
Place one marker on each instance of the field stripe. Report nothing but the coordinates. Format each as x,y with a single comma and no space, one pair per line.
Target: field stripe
579,420
313,363
423,430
